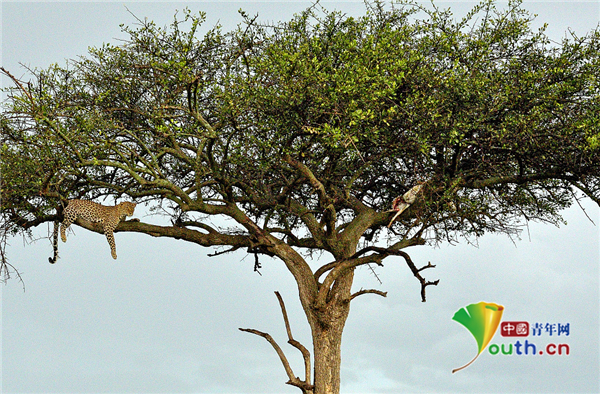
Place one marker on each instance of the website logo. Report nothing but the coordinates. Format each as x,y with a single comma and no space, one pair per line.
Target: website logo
482,321
514,329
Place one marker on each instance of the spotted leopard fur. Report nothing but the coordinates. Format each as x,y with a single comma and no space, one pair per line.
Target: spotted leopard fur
109,216
53,259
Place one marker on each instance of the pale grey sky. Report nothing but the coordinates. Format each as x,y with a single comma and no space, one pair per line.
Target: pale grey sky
164,317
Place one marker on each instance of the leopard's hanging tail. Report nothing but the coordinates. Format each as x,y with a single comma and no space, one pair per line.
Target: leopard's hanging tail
53,259
59,210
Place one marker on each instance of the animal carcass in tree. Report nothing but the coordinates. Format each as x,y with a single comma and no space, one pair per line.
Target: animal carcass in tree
401,203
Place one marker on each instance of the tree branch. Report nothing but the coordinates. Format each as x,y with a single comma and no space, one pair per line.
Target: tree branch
18,83
338,267
398,245
286,365
587,191
312,179
308,218
210,239
293,342
325,201
416,272
368,291
232,249
516,179
305,384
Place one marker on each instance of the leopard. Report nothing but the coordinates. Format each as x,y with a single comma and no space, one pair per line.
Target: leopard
109,216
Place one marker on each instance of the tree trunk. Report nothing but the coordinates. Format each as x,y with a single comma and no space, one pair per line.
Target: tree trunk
326,313
328,358
327,331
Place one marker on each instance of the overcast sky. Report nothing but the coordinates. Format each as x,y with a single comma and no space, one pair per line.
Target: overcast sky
164,317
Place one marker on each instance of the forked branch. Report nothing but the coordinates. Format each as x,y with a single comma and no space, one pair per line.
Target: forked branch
293,342
304,385
378,255
417,273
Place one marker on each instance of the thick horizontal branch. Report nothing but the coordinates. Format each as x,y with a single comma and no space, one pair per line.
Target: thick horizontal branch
27,224
197,237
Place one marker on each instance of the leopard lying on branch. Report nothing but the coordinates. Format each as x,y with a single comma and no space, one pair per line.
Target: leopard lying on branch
109,216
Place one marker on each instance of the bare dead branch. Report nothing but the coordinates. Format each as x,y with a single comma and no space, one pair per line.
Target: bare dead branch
581,207
293,342
269,338
374,274
429,265
416,272
232,249
257,265
377,257
293,380
339,266
339,269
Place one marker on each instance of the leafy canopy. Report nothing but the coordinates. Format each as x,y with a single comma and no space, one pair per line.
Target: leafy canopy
303,132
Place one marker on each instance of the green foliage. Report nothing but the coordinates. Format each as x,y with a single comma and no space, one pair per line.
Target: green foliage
308,124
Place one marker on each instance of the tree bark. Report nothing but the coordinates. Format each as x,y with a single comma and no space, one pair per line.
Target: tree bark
327,328
327,345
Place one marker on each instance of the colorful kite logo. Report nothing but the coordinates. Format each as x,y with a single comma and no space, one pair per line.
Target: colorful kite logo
482,320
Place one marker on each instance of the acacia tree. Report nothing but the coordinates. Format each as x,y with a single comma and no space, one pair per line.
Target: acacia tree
303,133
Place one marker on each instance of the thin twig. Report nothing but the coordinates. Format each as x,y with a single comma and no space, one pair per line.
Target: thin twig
233,248
15,80
374,273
